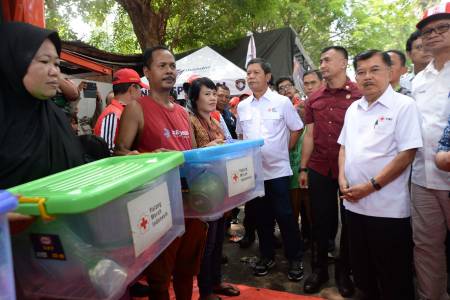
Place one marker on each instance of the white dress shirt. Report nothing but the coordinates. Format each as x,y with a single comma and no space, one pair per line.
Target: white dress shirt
373,136
271,117
431,90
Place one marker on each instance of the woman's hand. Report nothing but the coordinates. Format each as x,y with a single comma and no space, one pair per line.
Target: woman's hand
216,142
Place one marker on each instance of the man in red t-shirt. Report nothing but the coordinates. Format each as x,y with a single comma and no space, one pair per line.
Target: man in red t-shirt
150,124
127,86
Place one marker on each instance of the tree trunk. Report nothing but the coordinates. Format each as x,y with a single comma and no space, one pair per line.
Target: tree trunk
148,25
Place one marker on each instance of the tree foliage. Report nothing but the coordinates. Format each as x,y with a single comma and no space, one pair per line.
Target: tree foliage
188,24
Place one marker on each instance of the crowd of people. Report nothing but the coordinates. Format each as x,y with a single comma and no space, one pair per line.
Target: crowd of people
372,155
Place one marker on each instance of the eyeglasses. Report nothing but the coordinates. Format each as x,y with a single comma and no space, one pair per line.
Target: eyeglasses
440,29
284,88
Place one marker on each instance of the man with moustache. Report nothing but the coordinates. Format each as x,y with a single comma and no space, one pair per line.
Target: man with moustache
324,116
155,123
379,139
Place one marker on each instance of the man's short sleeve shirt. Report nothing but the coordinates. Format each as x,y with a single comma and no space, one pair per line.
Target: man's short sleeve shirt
373,136
271,117
326,109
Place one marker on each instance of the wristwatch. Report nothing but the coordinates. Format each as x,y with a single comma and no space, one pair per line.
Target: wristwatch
303,170
375,184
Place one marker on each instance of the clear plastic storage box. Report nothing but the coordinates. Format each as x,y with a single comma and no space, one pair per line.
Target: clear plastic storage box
217,179
7,290
99,226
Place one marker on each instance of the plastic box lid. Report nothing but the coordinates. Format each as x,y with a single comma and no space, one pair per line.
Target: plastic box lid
8,202
216,152
91,185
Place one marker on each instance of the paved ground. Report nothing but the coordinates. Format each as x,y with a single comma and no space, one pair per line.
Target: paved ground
236,271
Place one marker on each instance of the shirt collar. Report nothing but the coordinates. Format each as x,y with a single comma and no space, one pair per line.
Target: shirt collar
117,103
268,95
346,87
430,69
384,99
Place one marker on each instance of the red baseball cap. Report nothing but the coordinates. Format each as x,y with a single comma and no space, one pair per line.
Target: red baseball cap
189,81
234,101
128,76
437,12
248,94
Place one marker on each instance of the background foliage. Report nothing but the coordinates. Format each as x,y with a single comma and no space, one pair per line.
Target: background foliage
127,26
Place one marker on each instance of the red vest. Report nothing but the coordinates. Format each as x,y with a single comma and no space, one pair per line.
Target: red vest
164,127
115,108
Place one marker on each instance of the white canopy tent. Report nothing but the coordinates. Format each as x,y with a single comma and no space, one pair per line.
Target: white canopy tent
208,63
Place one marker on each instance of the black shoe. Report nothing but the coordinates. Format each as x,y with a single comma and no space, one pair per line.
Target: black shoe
247,241
295,272
276,242
224,259
314,281
345,285
263,266
139,290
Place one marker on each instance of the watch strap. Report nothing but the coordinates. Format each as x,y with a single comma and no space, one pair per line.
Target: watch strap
375,184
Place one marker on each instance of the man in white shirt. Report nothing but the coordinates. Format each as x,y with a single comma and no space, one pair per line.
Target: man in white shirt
430,186
419,57
379,139
270,116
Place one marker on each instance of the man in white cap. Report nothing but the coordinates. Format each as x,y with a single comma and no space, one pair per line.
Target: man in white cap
430,186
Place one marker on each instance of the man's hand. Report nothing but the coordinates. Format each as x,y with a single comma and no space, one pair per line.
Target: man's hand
357,192
343,183
303,180
443,161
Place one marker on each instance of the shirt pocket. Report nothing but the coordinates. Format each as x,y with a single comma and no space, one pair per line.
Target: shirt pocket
320,111
384,125
245,121
271,122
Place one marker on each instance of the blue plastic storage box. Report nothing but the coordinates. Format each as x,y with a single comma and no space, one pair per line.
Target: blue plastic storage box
219,178
7,290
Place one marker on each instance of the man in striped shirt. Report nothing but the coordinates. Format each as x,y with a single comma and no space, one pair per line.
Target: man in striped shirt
127,88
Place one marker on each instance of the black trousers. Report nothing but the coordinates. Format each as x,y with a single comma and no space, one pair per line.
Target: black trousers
323,194
276,205
381,252
250,216
211,269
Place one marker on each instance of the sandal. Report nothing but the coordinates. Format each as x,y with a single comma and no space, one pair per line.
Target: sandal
226,290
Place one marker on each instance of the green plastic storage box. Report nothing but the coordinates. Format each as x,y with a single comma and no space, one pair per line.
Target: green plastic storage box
98,225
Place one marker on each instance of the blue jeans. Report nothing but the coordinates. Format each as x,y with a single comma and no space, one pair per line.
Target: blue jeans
276,205
211,270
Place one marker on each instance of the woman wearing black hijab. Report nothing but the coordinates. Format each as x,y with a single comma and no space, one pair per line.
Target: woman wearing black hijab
35,138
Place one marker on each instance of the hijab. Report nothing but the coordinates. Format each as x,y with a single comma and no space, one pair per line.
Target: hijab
35,136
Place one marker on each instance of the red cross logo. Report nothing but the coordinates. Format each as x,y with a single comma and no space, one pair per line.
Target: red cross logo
235,178
143,224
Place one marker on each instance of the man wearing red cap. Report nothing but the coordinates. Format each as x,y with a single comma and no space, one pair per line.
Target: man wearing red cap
126,88
430,186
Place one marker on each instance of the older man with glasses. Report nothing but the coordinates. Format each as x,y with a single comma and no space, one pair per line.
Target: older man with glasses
430,186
